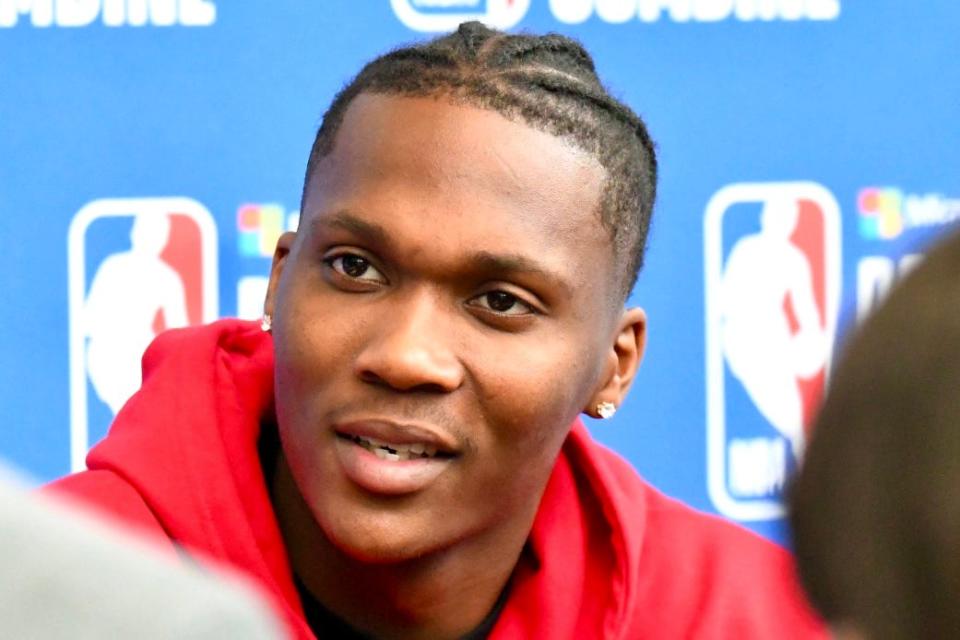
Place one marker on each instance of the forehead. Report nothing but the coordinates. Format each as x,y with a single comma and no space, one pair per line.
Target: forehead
426,164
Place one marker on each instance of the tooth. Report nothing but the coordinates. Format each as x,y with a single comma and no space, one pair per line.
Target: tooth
391,451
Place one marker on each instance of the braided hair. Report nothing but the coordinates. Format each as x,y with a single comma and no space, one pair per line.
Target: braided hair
548,82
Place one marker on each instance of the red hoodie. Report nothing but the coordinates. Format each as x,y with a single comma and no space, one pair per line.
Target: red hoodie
614,558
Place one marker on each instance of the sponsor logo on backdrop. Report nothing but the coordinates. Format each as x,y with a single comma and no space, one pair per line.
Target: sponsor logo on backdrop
772,271
887,212
259,226
619,11
135,267
111,13
445,15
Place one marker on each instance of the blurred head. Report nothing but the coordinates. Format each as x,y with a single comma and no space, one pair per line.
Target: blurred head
875,509
456,287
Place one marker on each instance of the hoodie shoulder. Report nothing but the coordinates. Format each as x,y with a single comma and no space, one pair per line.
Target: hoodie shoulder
729,581
191,343
695,575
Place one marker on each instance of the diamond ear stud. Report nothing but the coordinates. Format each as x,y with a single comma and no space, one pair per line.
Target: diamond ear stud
606,409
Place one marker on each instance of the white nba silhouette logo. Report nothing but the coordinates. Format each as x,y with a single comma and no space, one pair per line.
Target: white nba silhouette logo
159,274
771,303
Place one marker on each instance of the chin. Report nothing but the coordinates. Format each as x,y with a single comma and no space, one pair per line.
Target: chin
381,538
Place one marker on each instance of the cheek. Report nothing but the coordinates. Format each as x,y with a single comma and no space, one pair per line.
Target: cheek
311,346
538,391
313,337
529,407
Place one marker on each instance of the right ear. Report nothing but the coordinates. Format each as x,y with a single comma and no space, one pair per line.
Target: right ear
284,245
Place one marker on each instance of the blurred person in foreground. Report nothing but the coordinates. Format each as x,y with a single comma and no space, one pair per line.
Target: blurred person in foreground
875,509
395,452
65,574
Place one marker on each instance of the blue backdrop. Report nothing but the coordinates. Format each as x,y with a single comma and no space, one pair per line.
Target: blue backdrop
831,122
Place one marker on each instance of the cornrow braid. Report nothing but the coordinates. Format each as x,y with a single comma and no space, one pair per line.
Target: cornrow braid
548,82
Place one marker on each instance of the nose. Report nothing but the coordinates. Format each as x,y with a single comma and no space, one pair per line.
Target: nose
410,350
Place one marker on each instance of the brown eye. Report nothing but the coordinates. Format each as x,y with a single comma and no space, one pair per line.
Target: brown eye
356,267
500,301
503,303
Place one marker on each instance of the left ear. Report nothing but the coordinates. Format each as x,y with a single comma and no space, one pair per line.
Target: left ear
622,363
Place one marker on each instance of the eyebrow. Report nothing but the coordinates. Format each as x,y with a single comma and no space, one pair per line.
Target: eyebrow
348,222
514,263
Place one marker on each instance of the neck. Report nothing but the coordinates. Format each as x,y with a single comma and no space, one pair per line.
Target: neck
442,594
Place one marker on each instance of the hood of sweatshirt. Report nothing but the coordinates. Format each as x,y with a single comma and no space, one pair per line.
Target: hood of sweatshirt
187,443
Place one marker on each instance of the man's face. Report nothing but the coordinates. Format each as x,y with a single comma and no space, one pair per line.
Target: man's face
446,311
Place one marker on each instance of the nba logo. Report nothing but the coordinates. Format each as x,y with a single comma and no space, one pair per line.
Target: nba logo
772,267
135,268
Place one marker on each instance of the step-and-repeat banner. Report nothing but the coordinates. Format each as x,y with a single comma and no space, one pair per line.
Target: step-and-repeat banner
151,152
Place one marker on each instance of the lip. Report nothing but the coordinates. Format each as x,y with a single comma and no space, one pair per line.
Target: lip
398,433
391,477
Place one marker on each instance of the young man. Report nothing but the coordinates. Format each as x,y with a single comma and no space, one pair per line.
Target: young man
398,454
